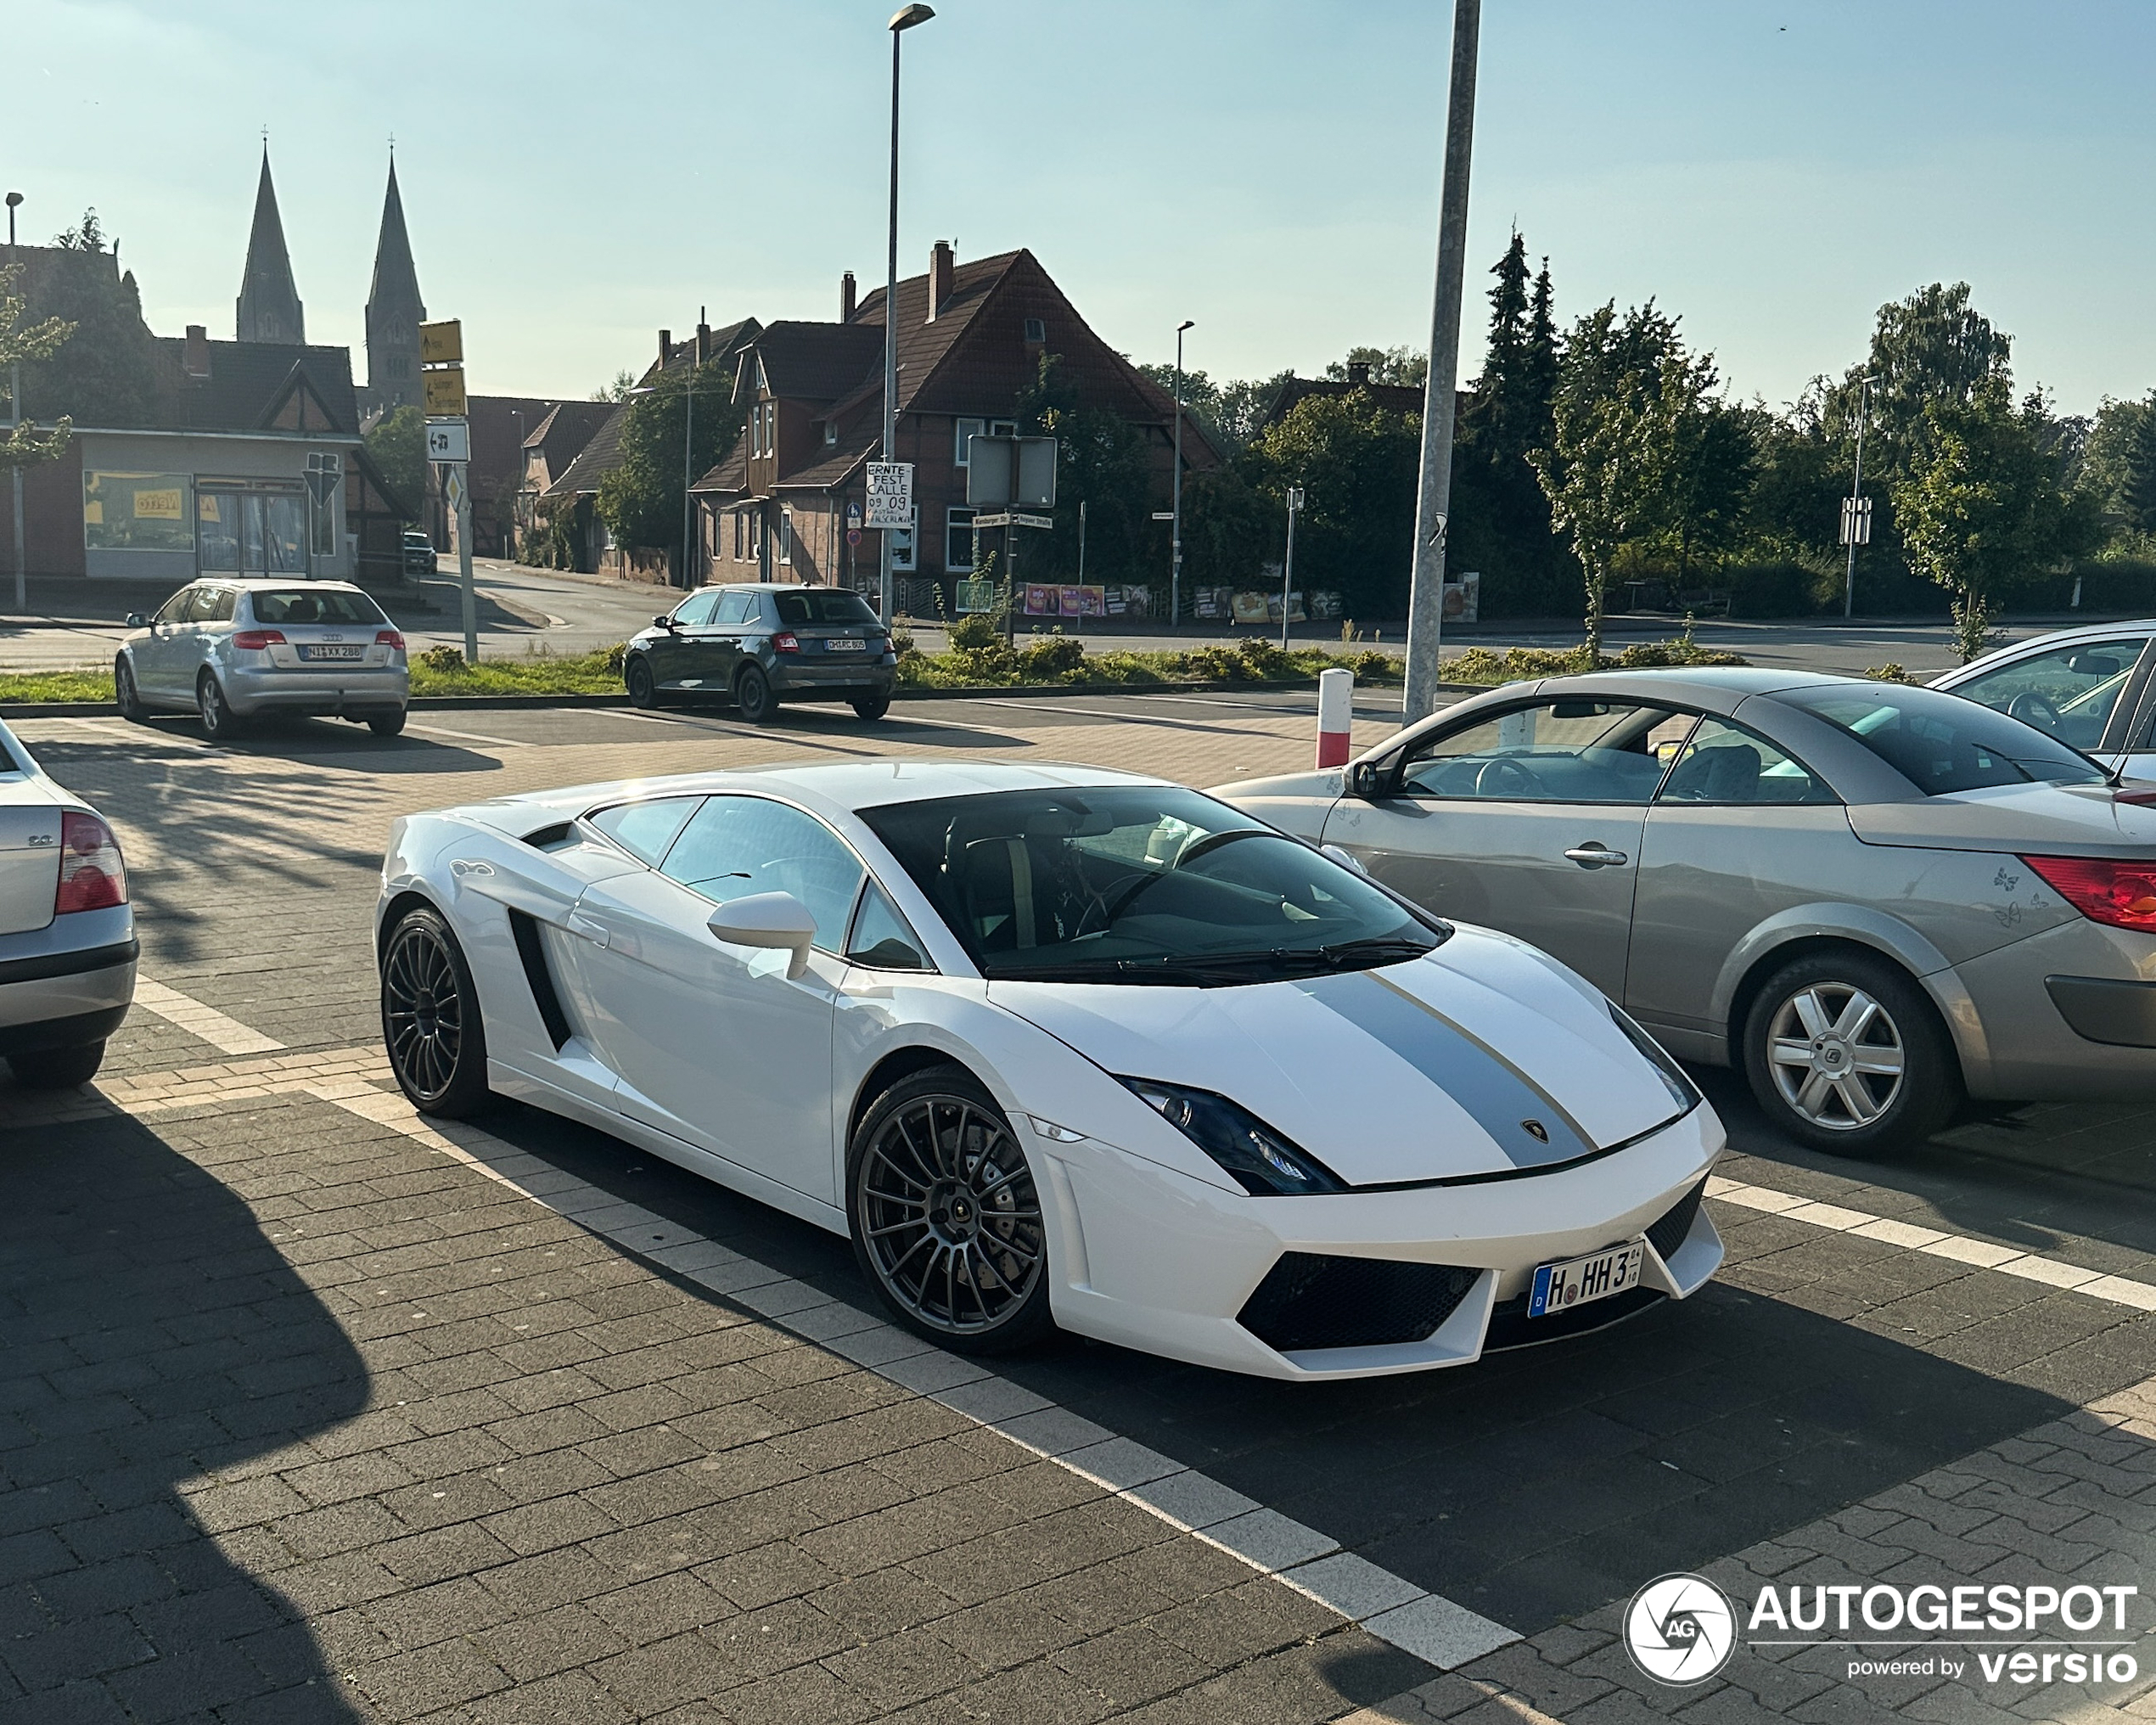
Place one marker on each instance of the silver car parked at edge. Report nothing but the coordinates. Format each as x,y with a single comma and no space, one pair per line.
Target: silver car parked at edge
1873,899
231,651
2094,687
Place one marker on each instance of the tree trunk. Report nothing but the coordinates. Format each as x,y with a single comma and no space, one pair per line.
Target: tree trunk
1596,581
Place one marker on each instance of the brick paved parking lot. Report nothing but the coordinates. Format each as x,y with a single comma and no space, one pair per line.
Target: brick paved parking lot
309,1410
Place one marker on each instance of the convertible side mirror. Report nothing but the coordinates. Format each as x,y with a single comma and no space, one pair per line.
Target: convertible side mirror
663,622
774,919
136,620
1367,780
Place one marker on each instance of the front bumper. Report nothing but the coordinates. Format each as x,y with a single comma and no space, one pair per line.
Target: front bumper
68,983
329,690
1152,1258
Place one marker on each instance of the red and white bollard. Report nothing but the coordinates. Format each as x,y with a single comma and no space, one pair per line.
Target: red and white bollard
1335,717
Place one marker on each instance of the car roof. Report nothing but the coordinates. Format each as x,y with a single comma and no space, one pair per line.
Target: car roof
1721,686
270,583
2055,637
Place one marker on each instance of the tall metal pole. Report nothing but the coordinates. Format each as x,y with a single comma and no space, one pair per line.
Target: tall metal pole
14,424
1434,498
688,472
1288,568
1175,533
1856,491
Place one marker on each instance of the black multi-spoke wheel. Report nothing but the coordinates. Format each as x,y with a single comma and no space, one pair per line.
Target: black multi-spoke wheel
431,1018
946,1219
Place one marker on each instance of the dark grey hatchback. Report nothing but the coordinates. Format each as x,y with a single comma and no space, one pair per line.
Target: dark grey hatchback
758,644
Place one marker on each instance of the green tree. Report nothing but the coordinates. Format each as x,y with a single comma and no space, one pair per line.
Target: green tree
21,340
1358,464
618,390
1388,365
1101,462
640,500
2119,464
87,235
1981,507
1227,412
396,443
1709,454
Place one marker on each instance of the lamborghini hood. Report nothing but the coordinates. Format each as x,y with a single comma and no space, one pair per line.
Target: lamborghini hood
1485,1057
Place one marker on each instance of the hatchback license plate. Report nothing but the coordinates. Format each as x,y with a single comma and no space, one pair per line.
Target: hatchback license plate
1560,1286
845,646
314,653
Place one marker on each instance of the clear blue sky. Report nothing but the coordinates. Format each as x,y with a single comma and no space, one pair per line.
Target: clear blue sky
577,175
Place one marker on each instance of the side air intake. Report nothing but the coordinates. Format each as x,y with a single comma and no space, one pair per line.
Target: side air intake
531,951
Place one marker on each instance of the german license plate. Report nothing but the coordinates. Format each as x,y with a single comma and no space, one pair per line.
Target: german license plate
1560,1286
317,653
845,646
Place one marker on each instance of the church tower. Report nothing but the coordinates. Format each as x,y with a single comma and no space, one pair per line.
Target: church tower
269,301
394,312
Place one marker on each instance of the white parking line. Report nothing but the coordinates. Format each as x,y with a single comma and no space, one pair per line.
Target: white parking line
1431,1628
2030,1267
466,736
226,1035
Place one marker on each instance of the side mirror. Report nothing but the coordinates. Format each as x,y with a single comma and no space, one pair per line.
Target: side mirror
1367,780
136,620
663,621
775,919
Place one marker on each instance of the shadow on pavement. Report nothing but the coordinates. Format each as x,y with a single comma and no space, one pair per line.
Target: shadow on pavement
150,1336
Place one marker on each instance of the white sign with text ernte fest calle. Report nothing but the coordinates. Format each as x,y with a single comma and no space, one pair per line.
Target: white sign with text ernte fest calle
890,494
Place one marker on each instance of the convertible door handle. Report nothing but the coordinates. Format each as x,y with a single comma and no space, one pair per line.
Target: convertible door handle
1596,856
591,929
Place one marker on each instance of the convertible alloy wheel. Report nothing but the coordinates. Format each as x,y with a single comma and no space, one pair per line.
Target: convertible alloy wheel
946,1219
430,1019
1845,1054
1838,1056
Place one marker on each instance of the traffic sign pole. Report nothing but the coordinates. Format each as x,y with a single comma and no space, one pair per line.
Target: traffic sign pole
460,498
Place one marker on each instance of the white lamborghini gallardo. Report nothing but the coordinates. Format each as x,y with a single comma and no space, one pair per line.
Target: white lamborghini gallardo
1059,1047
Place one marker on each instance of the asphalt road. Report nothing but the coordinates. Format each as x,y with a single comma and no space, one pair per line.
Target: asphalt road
1840,1404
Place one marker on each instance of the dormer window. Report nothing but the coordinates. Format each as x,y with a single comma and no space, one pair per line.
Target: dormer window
830,434
1036,330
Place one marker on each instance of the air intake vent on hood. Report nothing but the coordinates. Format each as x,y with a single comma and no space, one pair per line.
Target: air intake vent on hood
1311,1301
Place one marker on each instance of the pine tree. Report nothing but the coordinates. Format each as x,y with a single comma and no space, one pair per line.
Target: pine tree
1500,369
1539,378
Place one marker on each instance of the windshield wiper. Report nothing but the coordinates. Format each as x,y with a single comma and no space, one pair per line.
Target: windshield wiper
1378,948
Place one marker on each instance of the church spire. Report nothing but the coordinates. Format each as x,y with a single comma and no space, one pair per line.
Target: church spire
269,308
393,309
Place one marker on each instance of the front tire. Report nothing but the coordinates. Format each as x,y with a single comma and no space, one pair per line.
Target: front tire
57,1069
872,707
1845,1054
220,723
946,1218
643,692
752,696
125,695
430,1019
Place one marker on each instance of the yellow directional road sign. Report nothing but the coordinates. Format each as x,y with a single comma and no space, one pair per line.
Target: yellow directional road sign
443,343
445,393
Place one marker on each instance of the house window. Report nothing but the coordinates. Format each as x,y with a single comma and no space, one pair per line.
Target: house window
959,540
740,536
903,549
1036,329
964,430
830,433
1002,428
786,537
756,534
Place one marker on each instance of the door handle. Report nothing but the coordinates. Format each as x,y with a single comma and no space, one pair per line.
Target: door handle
592,929
1595,855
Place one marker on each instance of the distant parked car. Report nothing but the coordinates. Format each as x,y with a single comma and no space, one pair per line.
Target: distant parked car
758,644
420,558
1870,899
67,932
2094,687
234,650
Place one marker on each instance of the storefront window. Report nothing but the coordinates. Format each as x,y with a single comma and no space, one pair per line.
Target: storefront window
137,512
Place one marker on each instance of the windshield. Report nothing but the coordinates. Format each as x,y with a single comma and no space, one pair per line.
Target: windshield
1942,743
822,606
1139,884
315,605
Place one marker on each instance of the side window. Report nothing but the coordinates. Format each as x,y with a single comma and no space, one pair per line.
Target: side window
735,609
1725,763
203,607
1553,751
2070,692
736,845
220,604
696,611
175,610
881,938
645,830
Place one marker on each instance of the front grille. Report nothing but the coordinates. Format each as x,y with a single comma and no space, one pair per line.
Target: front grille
1667,1234
1311,1301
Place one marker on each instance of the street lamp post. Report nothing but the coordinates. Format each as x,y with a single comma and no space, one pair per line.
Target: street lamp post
1856,491
14,424
1433,495
901,21
1175,485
